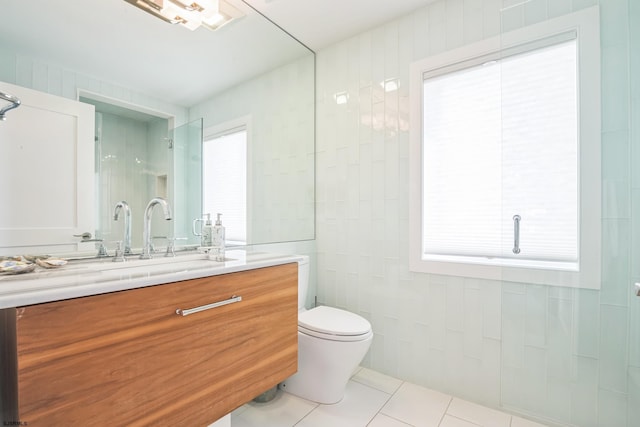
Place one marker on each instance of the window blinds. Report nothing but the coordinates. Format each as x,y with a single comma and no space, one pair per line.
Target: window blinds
501,139
224,178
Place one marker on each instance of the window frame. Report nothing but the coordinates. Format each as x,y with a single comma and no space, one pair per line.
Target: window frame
586,25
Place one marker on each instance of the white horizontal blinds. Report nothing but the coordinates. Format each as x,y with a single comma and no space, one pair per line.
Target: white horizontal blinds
540,152
225,182
462,172
499,140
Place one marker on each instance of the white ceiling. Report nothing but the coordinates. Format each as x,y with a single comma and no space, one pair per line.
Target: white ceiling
114,42
320,23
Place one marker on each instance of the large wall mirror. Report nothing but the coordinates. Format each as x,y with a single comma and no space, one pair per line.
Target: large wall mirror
176,113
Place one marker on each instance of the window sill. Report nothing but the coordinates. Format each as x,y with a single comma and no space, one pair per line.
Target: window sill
520,271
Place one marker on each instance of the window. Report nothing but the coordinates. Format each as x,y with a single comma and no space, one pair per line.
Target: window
507,150
224,180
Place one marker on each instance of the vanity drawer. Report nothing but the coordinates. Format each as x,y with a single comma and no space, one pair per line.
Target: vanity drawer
127,358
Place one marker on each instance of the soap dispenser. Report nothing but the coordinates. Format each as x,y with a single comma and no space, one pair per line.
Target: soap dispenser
207,232
218,239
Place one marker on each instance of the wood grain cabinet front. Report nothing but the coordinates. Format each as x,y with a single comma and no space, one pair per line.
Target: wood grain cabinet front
140,357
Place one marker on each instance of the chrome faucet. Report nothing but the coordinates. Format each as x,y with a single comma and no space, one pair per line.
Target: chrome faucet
146,233
127,224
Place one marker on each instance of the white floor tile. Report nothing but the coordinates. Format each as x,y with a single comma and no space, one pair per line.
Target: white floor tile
417,406
285,410
382,420
358,407
521,422
477,414
377,380
373,399
449,421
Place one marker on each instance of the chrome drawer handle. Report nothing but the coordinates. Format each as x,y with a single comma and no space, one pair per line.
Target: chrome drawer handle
189,311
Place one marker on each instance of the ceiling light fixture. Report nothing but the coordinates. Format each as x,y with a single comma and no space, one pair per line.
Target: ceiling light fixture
211,14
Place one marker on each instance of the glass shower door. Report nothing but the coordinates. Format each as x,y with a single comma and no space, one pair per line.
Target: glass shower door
569,354
186,185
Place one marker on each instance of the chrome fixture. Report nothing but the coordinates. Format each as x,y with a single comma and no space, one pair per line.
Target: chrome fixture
211,14
86,237
516,234
186,312
118,256
124,206
146,233
15,103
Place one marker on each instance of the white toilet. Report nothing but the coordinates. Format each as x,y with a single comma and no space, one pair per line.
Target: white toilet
331,345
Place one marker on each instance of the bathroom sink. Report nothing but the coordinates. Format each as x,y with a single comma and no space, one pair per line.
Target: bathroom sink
147,268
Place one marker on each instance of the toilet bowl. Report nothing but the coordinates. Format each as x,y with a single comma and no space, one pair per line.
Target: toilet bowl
331,344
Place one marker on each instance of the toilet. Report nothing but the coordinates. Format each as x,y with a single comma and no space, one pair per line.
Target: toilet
331,345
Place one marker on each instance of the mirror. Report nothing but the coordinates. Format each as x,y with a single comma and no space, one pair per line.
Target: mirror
120,58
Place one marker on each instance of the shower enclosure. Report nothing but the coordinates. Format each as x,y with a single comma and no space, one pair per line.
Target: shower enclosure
570,354
138,157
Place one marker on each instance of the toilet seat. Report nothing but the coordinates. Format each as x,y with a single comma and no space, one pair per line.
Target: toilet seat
333,324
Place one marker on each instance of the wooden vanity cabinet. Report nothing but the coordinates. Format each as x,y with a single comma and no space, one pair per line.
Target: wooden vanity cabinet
127,358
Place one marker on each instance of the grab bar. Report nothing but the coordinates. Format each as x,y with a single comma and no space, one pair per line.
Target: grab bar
516,234
15,103
189,311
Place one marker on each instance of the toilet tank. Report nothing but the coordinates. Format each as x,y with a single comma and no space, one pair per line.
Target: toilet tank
303,281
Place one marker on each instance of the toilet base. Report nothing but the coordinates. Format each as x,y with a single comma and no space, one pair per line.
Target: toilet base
325,367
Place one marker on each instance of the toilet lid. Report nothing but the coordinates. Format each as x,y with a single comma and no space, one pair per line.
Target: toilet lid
333,321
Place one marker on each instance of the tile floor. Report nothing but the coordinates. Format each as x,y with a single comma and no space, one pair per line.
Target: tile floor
375,400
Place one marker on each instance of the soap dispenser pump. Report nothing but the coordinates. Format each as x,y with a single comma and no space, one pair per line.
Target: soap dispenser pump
218,237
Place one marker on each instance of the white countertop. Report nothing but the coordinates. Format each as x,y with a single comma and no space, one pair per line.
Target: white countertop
83,278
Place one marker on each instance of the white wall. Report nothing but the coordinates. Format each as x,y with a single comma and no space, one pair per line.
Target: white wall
556,353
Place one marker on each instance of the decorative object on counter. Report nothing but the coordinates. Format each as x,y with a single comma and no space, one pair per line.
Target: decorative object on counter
27,263
51,262
218,239
16,267
32,258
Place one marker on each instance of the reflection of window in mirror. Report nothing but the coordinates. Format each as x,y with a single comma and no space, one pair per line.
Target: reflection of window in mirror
224,181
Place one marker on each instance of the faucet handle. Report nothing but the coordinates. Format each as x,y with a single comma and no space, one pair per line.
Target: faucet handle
119,254
170,247
102,250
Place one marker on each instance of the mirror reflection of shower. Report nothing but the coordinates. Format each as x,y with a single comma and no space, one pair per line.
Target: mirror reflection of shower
15,103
